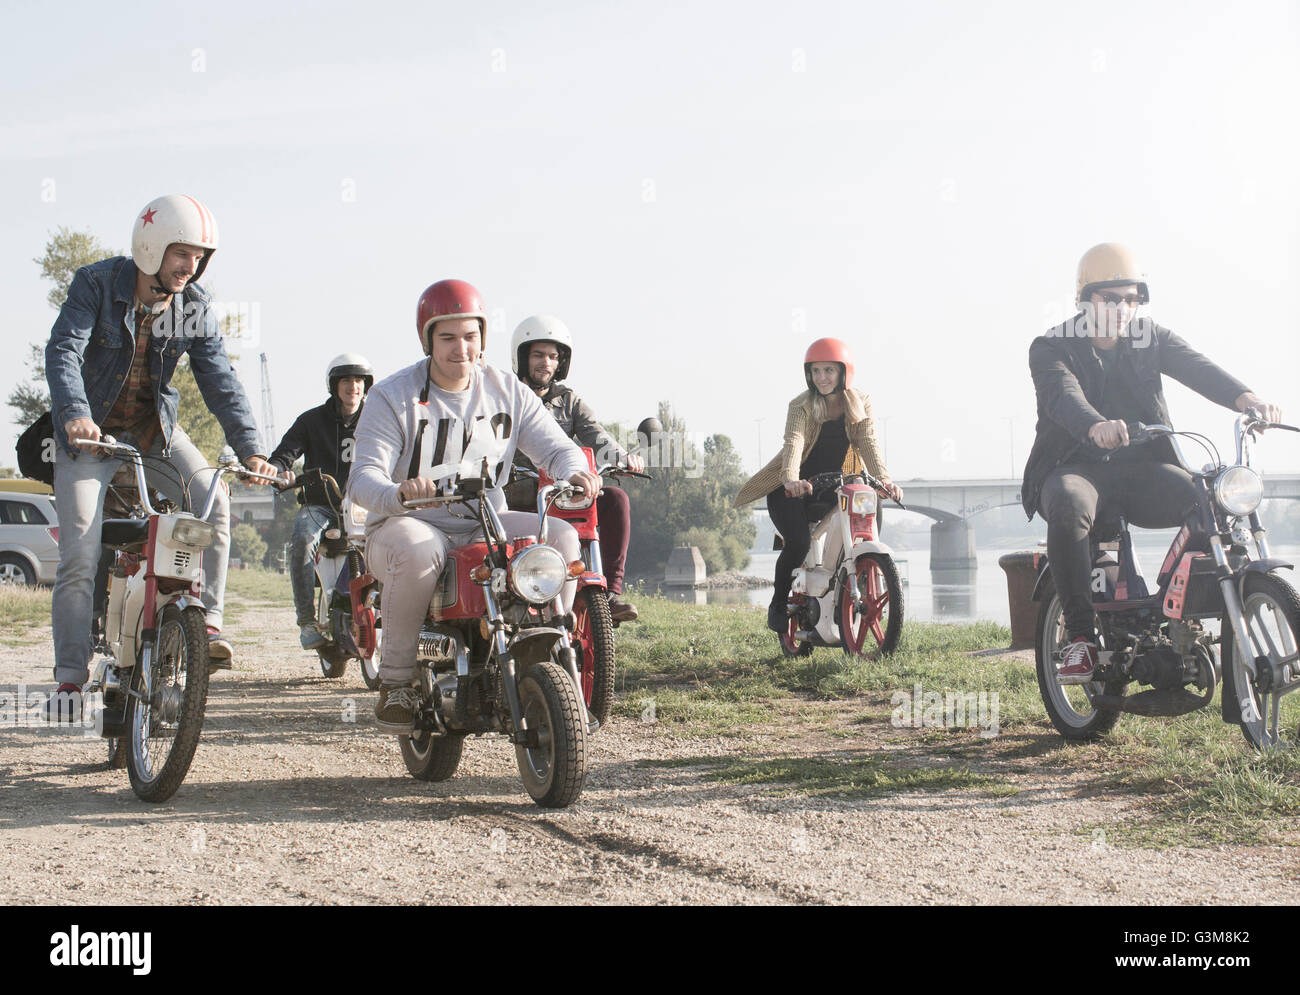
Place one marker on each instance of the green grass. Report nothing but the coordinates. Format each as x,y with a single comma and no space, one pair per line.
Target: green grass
836,776
22,609
260,586
715,670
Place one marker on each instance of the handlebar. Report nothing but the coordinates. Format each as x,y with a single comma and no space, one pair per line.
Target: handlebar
833,478
122,451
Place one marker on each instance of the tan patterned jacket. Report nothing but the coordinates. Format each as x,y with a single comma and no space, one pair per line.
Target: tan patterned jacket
801,431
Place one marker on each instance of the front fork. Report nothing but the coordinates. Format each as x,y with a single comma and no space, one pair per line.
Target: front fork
1233,608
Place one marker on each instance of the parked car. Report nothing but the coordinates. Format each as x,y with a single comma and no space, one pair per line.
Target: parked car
29,533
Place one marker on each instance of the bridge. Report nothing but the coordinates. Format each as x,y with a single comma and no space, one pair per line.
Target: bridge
953,504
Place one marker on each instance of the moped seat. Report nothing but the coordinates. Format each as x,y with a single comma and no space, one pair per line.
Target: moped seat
124,533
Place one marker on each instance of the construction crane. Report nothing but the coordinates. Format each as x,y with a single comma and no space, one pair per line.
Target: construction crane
269,438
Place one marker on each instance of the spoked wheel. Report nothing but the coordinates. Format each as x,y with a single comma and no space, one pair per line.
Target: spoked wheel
1271,610
429,757
163,725
333,661
874,620
554,765
1069,706
593,635
790,643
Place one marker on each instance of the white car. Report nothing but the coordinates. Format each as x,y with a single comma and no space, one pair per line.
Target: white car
29,533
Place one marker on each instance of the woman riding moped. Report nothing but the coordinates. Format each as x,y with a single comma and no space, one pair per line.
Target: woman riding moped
828,428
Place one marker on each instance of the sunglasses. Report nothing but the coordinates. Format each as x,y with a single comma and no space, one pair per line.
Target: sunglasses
1132,300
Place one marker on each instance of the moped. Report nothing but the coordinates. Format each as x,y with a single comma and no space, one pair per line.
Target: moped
151,689
497,654
1219,610
847,591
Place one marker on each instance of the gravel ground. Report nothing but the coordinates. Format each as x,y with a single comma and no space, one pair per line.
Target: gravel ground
294,798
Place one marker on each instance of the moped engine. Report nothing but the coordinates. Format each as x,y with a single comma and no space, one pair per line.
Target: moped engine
1160,666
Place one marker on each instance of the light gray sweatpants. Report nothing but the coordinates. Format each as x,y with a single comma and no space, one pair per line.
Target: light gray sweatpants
407,554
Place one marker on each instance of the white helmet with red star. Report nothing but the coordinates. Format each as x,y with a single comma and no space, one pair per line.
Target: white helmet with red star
170,220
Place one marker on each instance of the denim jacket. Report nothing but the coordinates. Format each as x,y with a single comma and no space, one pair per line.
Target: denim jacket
92,345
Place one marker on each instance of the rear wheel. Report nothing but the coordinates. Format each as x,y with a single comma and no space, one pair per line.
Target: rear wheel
16,570
554,768
1271,610
333,661
874,620
593,634
790,643
1069,706
163,725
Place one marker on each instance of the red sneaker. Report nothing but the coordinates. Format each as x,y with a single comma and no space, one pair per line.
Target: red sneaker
1077,662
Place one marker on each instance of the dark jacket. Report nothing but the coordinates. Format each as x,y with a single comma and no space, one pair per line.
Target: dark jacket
578,422
325,440
1068,382
92,346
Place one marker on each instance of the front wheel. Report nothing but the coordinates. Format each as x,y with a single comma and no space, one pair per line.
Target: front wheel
554,765
874,620
1270,608
593,635
1069,706
163,725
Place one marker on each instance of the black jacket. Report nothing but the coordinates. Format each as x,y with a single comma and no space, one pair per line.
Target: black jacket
1068,381
324,437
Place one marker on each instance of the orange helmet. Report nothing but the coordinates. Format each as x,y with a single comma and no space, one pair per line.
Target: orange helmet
828,351
449,299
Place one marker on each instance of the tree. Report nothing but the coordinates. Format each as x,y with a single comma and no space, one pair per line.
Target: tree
689,501
65,253
247,545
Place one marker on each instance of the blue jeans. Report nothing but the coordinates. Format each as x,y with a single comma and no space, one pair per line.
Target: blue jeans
312,520
79,486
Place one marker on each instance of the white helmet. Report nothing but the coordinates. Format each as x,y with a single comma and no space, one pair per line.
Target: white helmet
540,328
348,364
171,220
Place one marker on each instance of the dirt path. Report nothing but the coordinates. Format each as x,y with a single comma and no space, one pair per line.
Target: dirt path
292,799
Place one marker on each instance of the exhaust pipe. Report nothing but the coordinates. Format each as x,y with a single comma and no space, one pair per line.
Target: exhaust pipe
436,647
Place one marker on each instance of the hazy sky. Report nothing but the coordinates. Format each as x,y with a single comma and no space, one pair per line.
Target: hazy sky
697,190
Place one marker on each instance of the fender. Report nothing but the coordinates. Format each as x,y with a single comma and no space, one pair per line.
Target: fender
592,580
187,601
533,645
1264,566
1044,578
862,547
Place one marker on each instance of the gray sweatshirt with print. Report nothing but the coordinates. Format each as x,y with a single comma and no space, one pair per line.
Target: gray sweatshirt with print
411,427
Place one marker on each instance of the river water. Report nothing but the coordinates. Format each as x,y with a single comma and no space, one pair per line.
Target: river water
981,597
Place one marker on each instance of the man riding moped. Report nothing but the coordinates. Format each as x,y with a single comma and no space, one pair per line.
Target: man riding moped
541,350
410,442
109,362
1092,375
324,437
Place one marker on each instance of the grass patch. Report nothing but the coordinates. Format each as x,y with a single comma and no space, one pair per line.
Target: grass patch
22,609
260,586
837,777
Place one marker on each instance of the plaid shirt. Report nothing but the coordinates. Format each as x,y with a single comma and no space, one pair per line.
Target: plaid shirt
136,408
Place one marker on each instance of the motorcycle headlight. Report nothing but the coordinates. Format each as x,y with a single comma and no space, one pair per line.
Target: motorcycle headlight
192,532
1239,490
864,502
538,573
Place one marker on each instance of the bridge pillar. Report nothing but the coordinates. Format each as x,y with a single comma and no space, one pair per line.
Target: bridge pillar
952,546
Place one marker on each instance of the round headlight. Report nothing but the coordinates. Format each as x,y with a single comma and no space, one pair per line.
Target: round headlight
1239,490
538,573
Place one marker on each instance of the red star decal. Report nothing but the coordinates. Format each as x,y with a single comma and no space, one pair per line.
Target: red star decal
147,217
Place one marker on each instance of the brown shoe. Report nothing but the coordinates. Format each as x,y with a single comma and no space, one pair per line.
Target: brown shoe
395,710
219,650
620,610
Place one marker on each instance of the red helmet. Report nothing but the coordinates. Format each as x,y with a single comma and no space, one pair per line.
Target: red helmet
828,351
449,299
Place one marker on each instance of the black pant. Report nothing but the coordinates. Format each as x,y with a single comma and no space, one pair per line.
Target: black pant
1148,495
791,516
